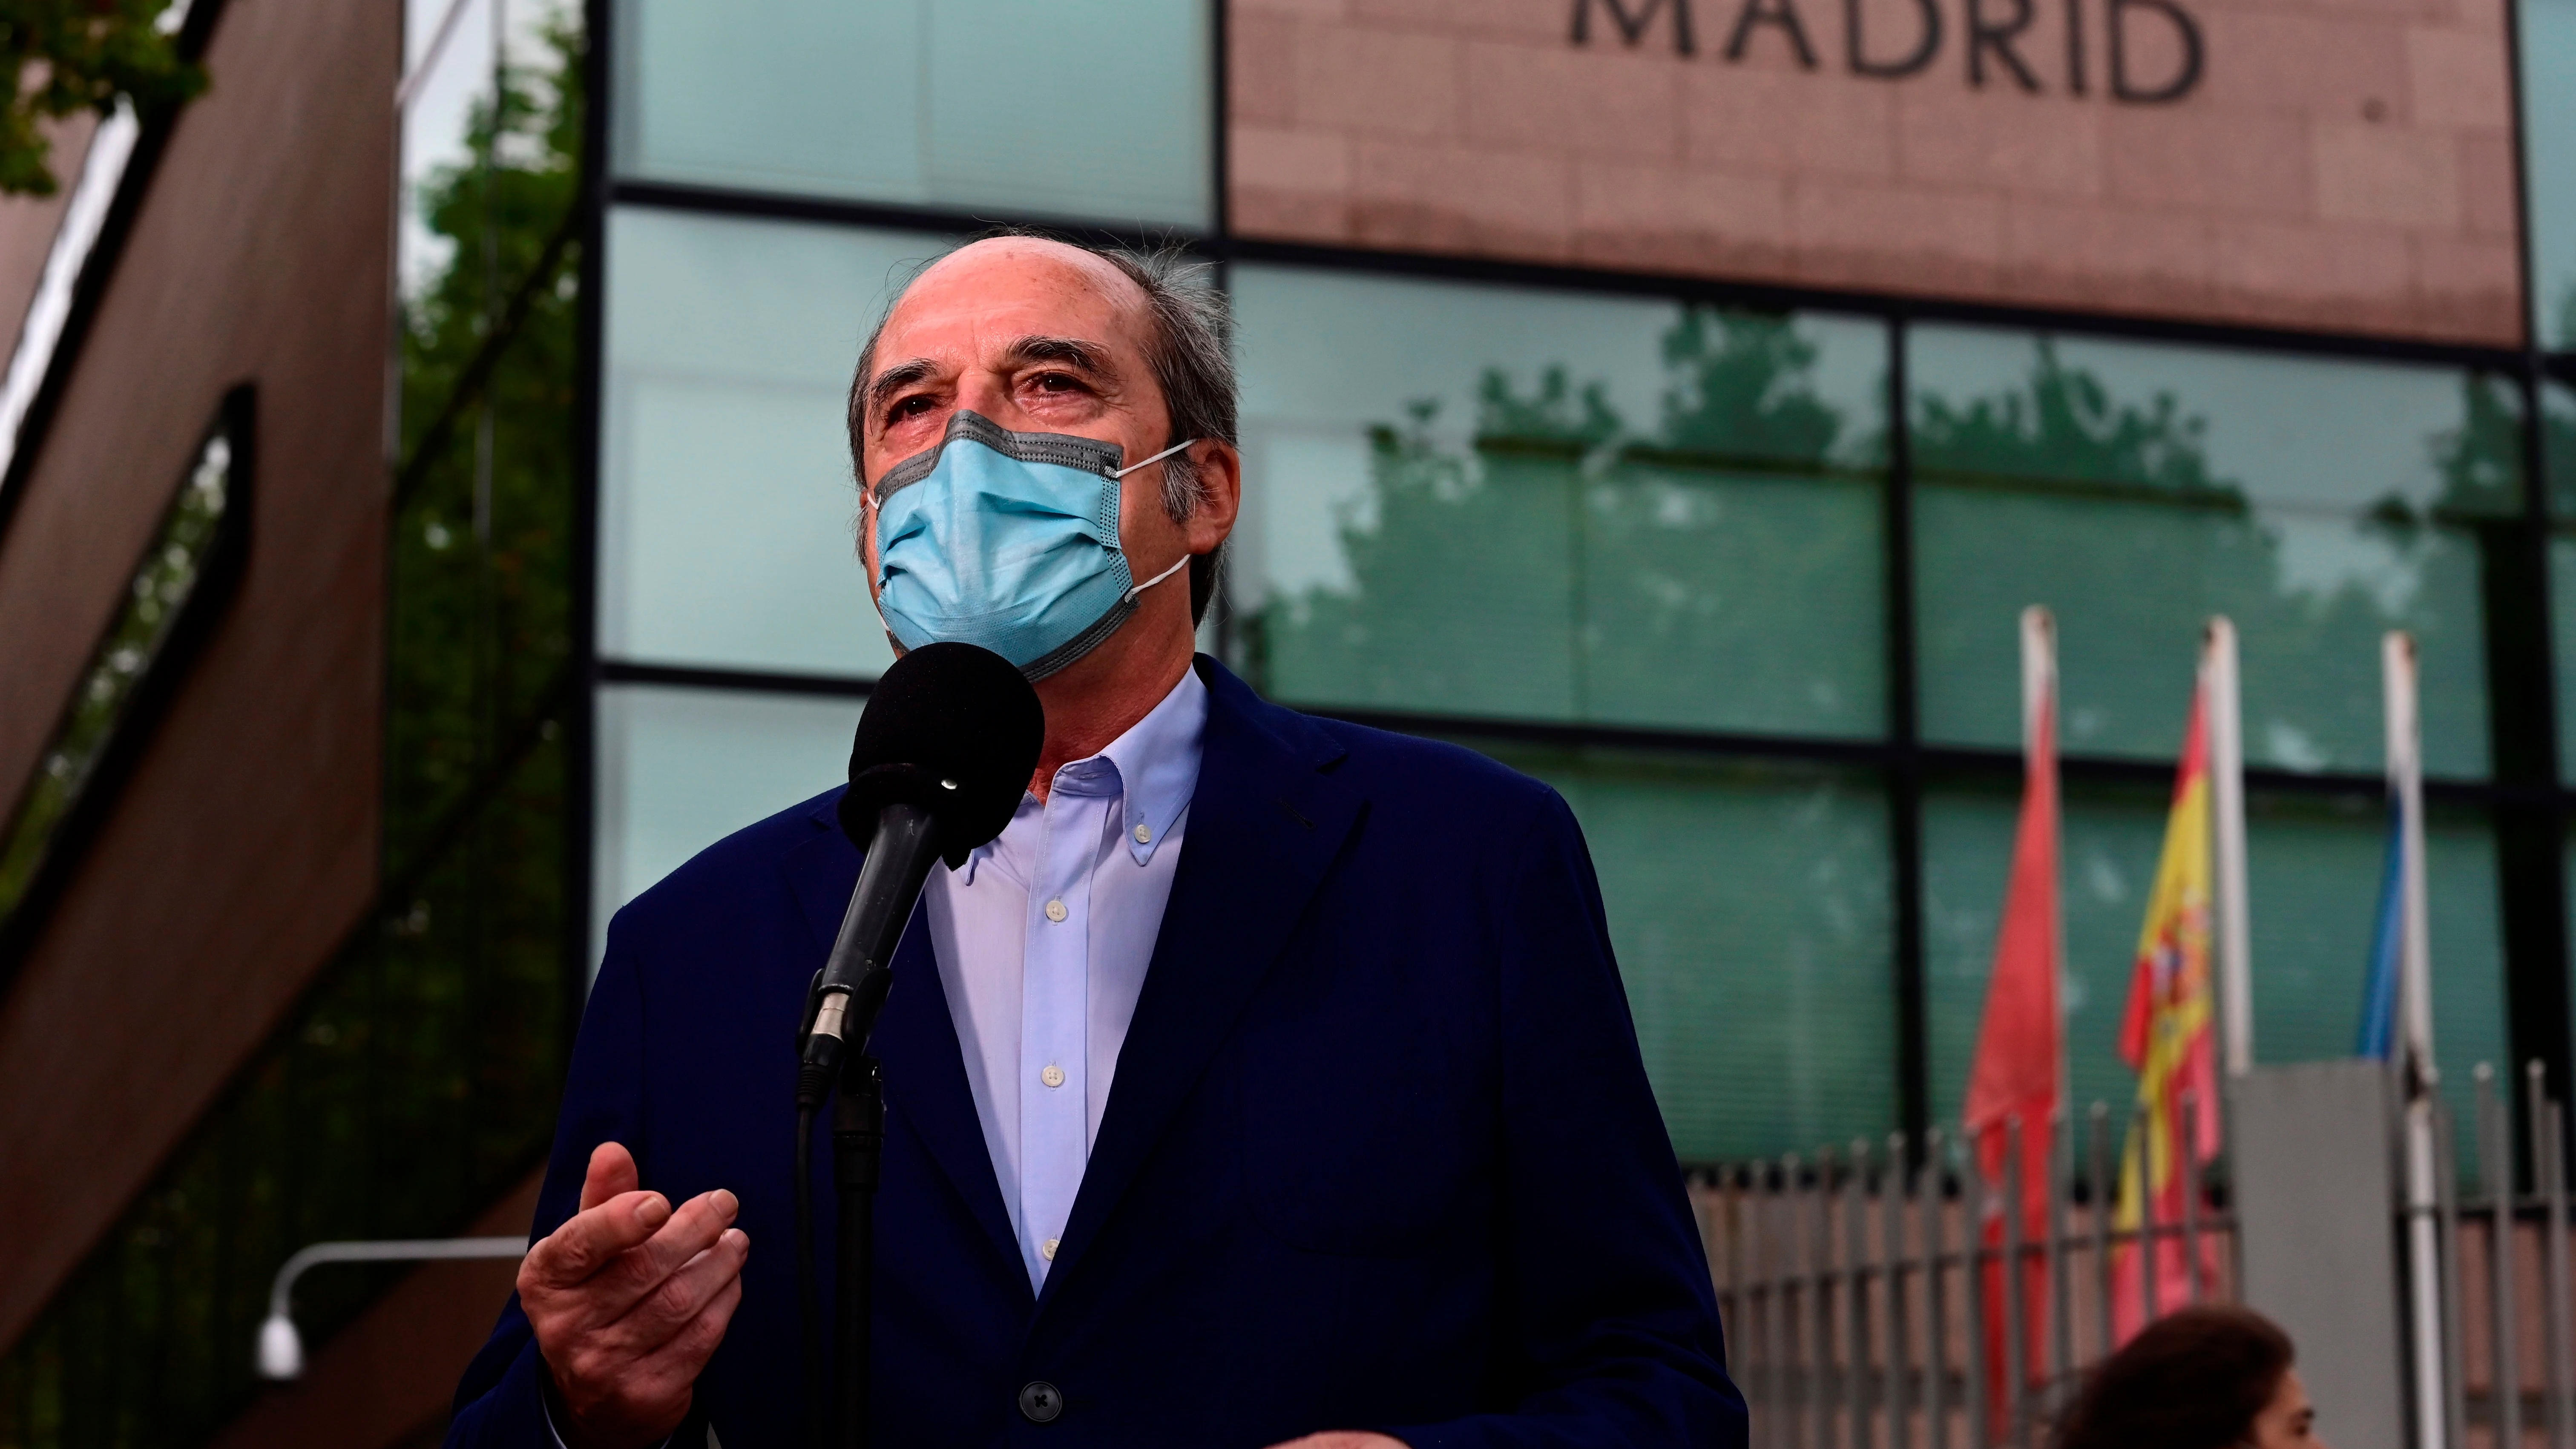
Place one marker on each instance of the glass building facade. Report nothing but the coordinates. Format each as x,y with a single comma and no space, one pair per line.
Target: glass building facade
1734,568
1733,565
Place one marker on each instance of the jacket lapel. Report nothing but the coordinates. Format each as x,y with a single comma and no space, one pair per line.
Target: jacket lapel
1264,826
915,1037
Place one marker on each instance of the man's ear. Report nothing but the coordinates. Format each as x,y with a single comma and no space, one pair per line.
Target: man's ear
1220,502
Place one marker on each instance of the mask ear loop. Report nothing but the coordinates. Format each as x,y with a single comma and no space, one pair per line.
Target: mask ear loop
1130,596
1158,457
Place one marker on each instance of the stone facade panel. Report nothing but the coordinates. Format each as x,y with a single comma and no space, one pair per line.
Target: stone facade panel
1450,198
1713,222
1529,96
1376,83
2490,197
2381,174
2025,145
2336,164
1263,94
1734,119
2206,161
2457,78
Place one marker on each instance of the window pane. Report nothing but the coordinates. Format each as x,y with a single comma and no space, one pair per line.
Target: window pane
2558,457
1030,106
1749,906
2313,885
727,515
2136,489
2548,44
1464,499
680,769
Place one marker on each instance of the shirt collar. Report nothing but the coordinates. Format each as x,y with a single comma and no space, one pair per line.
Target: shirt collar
1158,765
1153,768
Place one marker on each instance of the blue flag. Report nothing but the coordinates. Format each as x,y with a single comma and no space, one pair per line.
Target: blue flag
2378,1036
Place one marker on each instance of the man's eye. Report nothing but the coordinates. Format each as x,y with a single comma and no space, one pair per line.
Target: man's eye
908,407
1056,382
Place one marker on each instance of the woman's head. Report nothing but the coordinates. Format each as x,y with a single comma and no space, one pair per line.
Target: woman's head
2203,1378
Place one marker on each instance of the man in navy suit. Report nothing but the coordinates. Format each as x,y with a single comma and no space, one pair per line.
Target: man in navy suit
1269,1079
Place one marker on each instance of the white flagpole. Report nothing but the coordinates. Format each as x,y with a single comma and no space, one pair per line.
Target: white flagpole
2038,701
2038,704
2227,855
2415,1036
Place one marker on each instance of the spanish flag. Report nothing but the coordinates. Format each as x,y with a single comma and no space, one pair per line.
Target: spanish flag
2167,1036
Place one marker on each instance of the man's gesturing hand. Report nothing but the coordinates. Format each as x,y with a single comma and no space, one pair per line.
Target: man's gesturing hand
628,1299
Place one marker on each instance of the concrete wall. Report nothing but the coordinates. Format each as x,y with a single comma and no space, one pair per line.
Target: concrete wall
244,846
2344,164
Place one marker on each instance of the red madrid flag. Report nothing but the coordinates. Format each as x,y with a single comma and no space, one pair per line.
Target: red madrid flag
2020,1044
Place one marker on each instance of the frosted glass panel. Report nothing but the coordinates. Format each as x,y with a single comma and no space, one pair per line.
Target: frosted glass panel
1749,906
2136,489
2548,45
680,769
727,514
1465,499
1025,106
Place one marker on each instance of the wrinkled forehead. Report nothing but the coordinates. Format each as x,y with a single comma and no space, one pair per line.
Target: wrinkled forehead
985,295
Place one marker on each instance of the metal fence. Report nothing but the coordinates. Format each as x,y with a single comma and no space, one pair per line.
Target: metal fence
1846,1276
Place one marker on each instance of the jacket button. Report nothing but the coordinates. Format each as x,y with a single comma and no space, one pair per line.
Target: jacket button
1040,1402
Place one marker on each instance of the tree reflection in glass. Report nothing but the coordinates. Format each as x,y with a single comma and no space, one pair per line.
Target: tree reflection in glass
1718,570
2137,489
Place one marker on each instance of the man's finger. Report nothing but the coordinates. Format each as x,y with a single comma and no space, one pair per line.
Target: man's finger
618,1286
593,1240
691,1231
612,1171
662,1314
689,1349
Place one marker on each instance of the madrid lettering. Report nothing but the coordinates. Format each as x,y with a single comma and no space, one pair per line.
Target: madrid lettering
1996,46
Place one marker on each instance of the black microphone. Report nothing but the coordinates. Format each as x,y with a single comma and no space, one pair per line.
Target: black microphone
944,751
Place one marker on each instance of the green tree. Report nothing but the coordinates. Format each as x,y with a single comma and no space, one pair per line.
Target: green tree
59,57
482,534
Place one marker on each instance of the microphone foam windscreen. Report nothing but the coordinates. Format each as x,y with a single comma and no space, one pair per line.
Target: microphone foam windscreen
954,729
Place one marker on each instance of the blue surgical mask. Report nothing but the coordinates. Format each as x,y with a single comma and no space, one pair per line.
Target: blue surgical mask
1007,540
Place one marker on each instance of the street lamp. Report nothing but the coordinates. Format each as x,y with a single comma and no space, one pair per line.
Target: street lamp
281,1349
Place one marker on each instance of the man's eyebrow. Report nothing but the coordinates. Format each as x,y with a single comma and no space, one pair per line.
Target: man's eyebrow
1088,358
896,378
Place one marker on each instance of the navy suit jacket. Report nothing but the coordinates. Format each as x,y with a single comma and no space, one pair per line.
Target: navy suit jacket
1380,1153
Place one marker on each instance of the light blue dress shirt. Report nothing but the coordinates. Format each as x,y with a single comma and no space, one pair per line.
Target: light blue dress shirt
1043,938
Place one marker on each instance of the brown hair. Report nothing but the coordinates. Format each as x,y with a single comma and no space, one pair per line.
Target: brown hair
2195,1379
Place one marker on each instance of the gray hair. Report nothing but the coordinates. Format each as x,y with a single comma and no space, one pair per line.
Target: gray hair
1188,350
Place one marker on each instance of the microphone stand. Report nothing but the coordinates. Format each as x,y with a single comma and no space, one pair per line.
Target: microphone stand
841,1015
858,1142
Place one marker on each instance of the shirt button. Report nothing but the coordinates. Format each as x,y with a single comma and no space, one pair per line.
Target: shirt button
1055,910
1053,1076
1046,1249
1040,1402
1144,835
